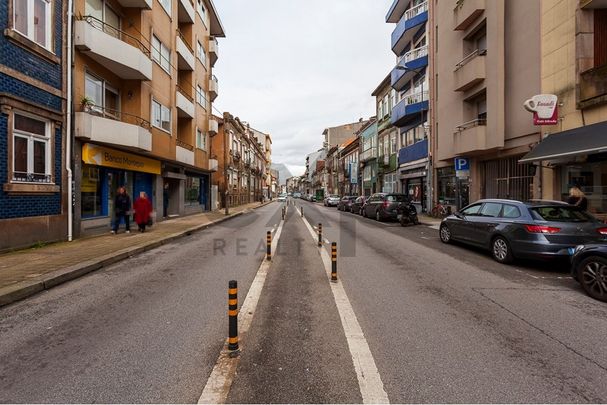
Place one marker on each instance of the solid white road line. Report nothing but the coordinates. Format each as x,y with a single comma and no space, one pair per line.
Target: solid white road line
369,381
218,385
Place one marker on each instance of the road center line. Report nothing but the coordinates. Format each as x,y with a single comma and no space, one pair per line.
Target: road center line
218,385
369,381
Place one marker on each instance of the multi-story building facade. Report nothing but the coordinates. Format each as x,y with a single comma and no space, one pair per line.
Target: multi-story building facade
486,61
574,68
387,138
33,75
349,180
410,78
242,160
143,91
337,135
332,171
368,157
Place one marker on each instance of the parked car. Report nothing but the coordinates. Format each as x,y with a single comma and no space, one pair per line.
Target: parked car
532,230
311,198
282,197
357,205
296,194
331,200
589,268
383,206
345,203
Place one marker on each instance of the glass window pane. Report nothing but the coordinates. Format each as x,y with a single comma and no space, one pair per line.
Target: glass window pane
166,119
94,8
20,157
156,49
31,125
40,23
90,187
112,101
93,89
156,114
491,210
40,157
112,21
20,8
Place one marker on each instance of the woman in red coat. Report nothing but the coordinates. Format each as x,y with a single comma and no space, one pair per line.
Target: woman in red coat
143,209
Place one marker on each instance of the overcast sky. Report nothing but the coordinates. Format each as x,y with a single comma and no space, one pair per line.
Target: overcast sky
295,67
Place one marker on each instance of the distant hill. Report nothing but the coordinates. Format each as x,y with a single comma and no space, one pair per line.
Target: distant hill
283,172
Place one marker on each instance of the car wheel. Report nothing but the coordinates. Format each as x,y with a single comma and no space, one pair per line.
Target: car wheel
377,216
445,234
592,275
364,212
501,251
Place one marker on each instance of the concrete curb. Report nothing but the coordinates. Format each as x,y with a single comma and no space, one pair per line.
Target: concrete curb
24,289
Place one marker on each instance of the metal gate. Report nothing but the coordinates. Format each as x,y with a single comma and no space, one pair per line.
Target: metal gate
506,178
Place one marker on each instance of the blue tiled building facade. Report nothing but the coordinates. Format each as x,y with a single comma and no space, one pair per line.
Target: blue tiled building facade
32,122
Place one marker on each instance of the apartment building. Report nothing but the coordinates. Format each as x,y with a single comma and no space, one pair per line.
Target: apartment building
242,160
387,138
349,174
574,69
143,92
266,142
339,134
332,171
410,79
33,72
368,157
486,63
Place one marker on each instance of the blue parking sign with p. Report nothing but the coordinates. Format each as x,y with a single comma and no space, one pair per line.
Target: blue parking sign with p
462,164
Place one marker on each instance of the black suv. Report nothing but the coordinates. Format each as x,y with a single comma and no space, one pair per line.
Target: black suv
382,206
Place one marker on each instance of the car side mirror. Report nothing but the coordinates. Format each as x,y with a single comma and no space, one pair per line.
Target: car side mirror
459,215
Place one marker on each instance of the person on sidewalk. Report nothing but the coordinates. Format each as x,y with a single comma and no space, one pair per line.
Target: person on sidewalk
578,198
165,200
143,210
122,208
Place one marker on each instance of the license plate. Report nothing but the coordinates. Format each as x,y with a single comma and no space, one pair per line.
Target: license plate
571,251
399,216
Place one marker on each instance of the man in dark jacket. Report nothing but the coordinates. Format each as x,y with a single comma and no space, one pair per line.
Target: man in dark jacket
122,208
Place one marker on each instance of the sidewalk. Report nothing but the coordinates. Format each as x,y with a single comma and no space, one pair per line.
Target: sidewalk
29,271
429,221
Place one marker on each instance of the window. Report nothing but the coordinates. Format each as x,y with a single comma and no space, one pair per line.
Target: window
31,149
201,140
561,214
192,191
161,116
491,210
510,211
166,4
201,53
201,97
100,10
104,98
161,54
201,11
472,210
32,18
413,135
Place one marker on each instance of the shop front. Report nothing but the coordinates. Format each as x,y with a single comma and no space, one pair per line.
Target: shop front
451,190
414,184
103,172
196,193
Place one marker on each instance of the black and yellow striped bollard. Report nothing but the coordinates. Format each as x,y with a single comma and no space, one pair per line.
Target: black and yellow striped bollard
334,262
233,316
302,211
269,246
319,234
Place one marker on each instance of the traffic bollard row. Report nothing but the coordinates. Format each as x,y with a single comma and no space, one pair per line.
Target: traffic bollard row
334,262
233,315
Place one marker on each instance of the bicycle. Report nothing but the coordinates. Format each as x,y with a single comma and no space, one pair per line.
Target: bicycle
441,211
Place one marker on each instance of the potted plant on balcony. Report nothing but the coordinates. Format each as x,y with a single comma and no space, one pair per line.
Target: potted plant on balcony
87,103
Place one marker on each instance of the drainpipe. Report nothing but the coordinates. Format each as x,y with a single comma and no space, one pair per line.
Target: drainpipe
68,142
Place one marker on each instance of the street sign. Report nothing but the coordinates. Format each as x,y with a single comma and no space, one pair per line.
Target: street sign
544,108
462,168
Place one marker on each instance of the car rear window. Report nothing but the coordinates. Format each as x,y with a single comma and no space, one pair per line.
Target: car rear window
560,214
399,198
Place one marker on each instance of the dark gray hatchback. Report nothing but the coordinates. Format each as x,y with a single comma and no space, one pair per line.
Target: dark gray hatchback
533,230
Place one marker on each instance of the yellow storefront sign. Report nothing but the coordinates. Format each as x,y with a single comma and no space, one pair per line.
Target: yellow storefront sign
102,156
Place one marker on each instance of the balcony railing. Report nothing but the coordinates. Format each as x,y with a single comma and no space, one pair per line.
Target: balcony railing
471,124
184,92
468,58
416,54
116,33
116,115
184,145
416,97
415,11
185,41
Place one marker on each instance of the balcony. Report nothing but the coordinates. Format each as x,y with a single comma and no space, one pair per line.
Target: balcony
185,54
213,126
113,127
412,20
466,12
185,11
593,87
184,153
213,165
396,11
592,4
119,52
145,4
368,154
184,103
470,71
414,60
213,87
213,51
470,137
409,107
411,153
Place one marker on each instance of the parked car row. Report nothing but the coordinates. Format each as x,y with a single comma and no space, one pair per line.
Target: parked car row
536,230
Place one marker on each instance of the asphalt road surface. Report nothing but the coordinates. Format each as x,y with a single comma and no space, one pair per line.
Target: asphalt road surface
444,323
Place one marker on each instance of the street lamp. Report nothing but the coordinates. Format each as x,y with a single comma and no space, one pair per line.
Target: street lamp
425,129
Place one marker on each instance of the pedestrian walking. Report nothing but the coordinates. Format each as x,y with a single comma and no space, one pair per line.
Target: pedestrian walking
165,200
577,198
122,208
143,211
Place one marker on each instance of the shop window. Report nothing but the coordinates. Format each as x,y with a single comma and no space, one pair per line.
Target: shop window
31,149
192,191
91,192
591,178
32,19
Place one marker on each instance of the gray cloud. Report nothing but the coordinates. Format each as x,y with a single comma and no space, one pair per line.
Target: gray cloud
295,67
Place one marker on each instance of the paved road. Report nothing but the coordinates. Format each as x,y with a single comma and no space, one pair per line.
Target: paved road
146,330
448,324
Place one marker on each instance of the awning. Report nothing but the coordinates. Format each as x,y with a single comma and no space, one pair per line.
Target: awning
579,141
